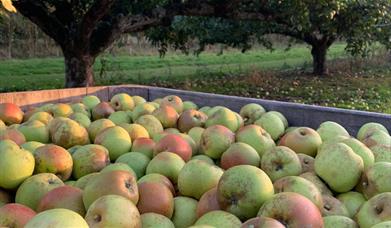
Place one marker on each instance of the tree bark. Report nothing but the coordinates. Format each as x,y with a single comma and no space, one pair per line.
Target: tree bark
319,58
78,70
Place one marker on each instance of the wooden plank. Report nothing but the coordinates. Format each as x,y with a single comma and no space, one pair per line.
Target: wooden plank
100,91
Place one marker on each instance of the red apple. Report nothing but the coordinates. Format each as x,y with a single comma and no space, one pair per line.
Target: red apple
15,215
175,144
10,113
155,197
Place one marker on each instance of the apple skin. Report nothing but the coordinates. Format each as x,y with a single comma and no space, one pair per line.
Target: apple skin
43,117
339,221
151,220
339,166
368,129
10,113
53,159
15,215
101,111
189,105
155,197
195,171
215,140
16,164
184,211
302,140
58,217
251,112
12,134
119,166
151,124
299,185
256,137
89,159
111,183
243,189
329,130
81,118
81,108
135,131
145,146
122,102
195,133
271,123
142,109
376,179
375,210
191,118
386,224
288,207
67,197
61,110
104,212
361,150
280,162
175,144
307,163
381,152
225,117
332,206
98,126
219,219
167,115
352,201
377,138
116,140
120,117
262,222
83,181
90,101
239,154
174,101
31,191
311,176
34,130
208,202
158,178
31,146
2,125
168,164
204,158
135,160
66,133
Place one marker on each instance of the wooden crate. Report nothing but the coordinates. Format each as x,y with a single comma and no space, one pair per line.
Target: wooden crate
297,114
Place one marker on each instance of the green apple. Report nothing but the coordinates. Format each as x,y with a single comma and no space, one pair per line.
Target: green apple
243,189
204,109
138,100
195,133
31,191
251,112
225,117
142,109
135,131
262,222
377,138
381,153
98,126
166,163
329,130
338,221
12,134
376,210
272,123
204,158
61,110
368,129
189,105
362,150
339,166
311,176
58,217
120,117
152,220
282,117
122,102
256,137
352,201
119,166
143,145
81,118
89,159
116,140
15,164
219,219
302,140
215,140
280,162
151,124
307,163
113,211
67,133
90,101
135,160
31,146
44,117
376,179
81,108
195,171
386,224
332,206
83,181
184,212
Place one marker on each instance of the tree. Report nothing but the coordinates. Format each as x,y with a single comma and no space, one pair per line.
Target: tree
316,23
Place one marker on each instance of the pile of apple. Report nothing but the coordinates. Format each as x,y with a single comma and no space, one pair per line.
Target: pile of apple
168,163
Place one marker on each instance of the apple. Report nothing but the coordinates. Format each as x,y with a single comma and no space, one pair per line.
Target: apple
239,154
89,159
311,176
31,146
119,166
205,109
330,130
339,221
120,117
361,150
302,140
83,181
307,163
98,126
166,163
151,220
44,117
122,102
377,138
81,108
332,206
243,189
174,101
219,219
61,110
190,119
155,197
12,134
184,212
189,105
368,129
135,130
2,125
16,164
138,100
251,112
171,131
111,183
167,115
116,140
175,144
225,117
376,179
386,224
158,178
208,202
282,117
67,197
256,137
58,217
262,222
352,201
151,124
53,159
288,208
142,109
113,211
31,191
15,215
339,166
10,113
215,140
102,110
381,153
272,123
90,101
67,133
81,118
195,133
299,185
195,171
135,160
280,162
204,158
145,146
376,210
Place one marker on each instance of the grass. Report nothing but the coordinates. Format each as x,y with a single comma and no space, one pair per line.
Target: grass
278,75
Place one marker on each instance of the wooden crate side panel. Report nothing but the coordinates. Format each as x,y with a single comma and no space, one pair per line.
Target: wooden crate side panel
132,90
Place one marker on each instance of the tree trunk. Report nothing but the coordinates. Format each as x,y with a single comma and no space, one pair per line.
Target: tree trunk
319,57
79,70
